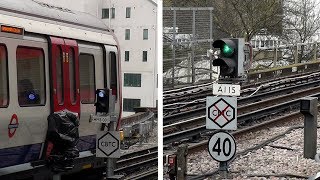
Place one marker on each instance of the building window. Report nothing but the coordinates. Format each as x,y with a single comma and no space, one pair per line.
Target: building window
145,56
113,13
145,34
130,104
105,13
132,80
126,55
128,12
4,87
127,35
30,76
87,79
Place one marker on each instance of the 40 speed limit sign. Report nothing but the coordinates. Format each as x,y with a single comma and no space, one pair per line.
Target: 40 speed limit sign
222,146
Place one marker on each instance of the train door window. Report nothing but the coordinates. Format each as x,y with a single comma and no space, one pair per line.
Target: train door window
4,90
105,13
114,74
30,76
130,104
87,78
145,34
59,74
127,35
126,55
145,56
128,12
113,13
72,76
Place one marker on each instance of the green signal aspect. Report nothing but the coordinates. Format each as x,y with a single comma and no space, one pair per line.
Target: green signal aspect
227,50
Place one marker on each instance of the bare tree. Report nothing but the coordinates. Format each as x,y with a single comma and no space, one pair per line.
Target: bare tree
302,20
301,23
246,18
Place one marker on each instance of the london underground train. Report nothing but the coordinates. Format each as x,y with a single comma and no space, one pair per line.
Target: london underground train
51,59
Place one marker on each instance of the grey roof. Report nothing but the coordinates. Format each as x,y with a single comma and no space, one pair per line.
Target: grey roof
45,12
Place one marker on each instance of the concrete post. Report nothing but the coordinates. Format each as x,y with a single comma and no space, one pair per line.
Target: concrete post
210,42
315,51
182,153
309,108
275,57
174,46
193,46
296,54
189,70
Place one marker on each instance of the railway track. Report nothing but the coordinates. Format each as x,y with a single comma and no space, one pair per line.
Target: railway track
138,161
250,116
196,109
181,101
177,95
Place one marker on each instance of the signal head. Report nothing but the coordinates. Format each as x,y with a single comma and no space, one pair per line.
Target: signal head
102,103
228,59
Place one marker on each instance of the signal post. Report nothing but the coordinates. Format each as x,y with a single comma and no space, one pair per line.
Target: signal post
221,109
108,139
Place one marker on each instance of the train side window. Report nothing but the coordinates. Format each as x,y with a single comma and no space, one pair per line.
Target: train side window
59,74
114,74
72,76
87,78
4,87
30,76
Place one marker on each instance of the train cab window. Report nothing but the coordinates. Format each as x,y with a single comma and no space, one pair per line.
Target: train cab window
87,78
30,76
114,74
72,76
4,92
59,75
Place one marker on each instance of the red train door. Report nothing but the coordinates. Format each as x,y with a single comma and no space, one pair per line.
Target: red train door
64,74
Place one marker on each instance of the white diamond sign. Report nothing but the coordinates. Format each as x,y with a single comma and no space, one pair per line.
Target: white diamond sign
221,113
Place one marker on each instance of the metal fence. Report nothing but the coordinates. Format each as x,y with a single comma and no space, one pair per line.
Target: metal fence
279,54
187,35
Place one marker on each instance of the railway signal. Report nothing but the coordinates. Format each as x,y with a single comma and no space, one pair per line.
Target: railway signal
102,104
231,57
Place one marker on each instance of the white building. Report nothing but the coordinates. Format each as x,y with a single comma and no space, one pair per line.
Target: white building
135,25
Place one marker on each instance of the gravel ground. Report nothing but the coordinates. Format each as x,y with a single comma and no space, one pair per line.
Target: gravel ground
152,141
265,161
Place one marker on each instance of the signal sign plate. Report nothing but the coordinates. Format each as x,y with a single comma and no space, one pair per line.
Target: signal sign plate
108,144
221,113
100,119
226,89
222,146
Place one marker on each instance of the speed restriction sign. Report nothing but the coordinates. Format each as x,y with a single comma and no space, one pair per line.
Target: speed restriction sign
222,146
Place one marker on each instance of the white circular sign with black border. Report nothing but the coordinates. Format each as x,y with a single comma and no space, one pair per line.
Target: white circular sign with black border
222,146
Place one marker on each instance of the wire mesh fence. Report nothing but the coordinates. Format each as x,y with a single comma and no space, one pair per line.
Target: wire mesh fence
187,35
